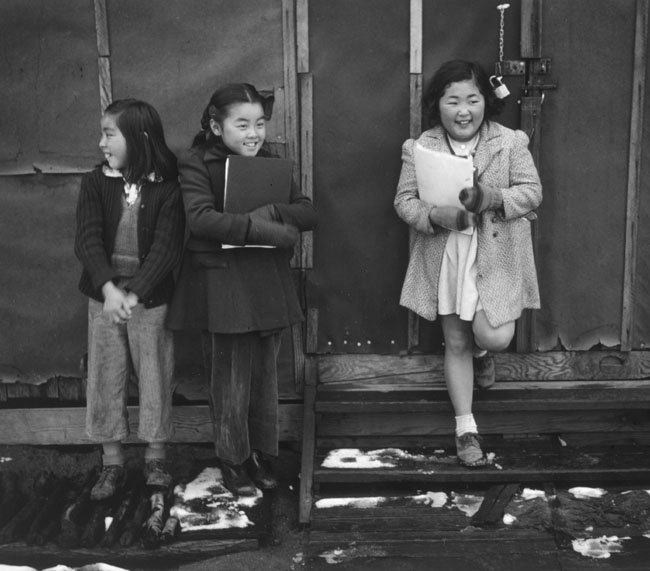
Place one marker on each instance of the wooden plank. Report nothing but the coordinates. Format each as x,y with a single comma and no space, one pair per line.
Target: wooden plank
554,365
440,423
66,426
298,357
511,466
494,504
302,34
307,157
501,547
531,123
308,445
311,343
415,105
178,553
423,386
416,37
290,82
413,442
101,29
634,172
105,86
531,28
491,405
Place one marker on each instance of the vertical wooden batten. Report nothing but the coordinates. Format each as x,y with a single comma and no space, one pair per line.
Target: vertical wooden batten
103,54
634,171
531,108
415,120
306,122
305,80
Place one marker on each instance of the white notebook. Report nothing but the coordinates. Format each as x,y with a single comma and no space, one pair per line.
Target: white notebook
441,177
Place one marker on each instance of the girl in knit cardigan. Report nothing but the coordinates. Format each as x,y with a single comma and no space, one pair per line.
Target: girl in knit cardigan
478,283
129,238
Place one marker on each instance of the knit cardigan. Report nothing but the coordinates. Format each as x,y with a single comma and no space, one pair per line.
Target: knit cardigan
160,236
506,276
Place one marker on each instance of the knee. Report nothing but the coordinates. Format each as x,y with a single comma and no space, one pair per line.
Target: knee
458,345
497,340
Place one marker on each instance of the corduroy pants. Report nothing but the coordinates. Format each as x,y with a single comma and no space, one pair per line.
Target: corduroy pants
243,388
142,345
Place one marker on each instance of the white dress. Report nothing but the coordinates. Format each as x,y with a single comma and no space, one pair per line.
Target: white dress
457,293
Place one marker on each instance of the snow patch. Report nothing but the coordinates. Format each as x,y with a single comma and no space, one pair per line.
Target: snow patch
530,494
509,519
467,503
362,503
355,458
206,504
433,499
582,493
598,547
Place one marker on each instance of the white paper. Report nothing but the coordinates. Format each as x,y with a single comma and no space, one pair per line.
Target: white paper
441,177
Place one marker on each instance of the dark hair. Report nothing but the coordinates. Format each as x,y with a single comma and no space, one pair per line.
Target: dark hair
220,102
146,148
451,72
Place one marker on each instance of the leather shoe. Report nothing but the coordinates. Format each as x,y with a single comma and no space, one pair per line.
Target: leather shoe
236,479
260,472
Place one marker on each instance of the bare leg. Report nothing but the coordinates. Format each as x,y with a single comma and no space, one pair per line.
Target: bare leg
458,362
492,338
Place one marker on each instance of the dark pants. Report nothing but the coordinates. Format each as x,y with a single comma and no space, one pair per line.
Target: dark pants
243,376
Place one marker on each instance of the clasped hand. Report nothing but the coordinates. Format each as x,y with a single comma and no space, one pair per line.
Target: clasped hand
118,303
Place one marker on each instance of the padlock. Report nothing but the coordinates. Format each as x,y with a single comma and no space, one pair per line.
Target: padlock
499,88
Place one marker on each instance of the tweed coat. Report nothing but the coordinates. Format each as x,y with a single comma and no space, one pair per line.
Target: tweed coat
506,275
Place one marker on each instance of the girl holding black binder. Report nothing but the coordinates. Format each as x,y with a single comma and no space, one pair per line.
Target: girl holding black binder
241,298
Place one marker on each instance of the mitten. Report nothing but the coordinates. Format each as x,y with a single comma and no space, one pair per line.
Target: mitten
266,233
267,212
452,217
481,197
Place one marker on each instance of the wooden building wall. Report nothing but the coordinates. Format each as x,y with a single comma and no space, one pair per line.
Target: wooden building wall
347,76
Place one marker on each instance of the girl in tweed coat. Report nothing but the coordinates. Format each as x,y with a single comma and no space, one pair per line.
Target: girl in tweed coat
478,284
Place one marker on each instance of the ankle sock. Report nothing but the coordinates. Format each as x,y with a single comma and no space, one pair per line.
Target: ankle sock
113,454
465,423
155,451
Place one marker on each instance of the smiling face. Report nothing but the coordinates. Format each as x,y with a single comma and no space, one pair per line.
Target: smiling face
243,130
462,108
113,143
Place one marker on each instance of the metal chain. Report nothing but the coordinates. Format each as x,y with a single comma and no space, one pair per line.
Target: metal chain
502,8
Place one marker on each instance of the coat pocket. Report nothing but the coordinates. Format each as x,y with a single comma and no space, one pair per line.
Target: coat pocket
209,260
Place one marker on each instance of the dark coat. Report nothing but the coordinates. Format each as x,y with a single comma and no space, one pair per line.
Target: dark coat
160,236
236,290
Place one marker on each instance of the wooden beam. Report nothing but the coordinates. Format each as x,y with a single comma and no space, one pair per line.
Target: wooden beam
416,37
103,55
101,29
67,426
307,158
634,172
302,32
550,366
531,29
415,122
308,443
290,81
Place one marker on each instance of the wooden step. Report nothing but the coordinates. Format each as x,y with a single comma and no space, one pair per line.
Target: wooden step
601,395
521,463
